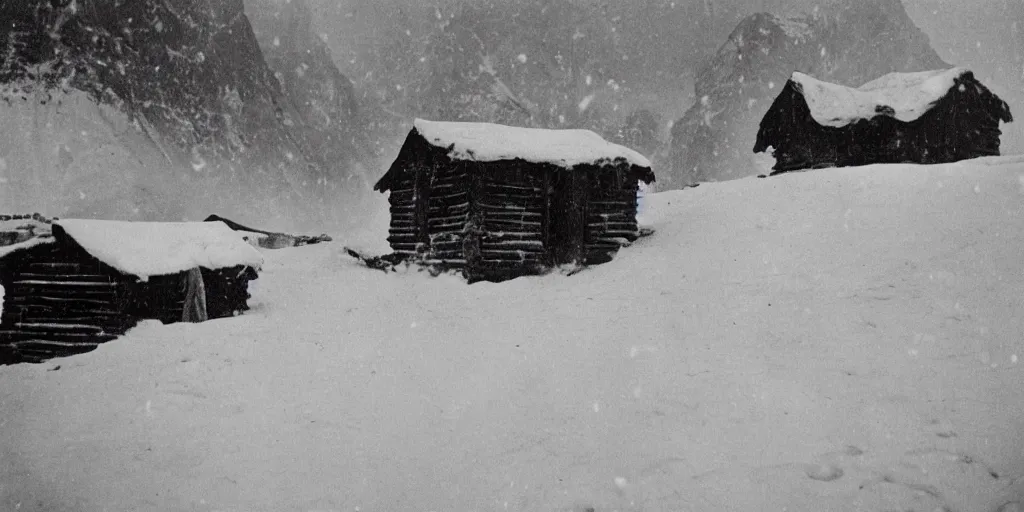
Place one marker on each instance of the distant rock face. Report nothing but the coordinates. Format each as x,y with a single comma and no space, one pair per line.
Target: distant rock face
847,42
315,91
184,90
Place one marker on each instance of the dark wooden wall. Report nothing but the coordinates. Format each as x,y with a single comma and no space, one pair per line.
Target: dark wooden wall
611,214
59,301
963,124
227,290
446,188
513,211
498,220
402,234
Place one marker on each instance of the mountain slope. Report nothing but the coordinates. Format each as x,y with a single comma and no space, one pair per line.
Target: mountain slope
837,340
188,92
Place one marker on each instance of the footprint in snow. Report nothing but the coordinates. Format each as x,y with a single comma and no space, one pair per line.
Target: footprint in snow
943,429
831,471
823,472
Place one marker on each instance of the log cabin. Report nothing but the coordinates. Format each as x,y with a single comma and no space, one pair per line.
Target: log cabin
92,280
498,202
925,117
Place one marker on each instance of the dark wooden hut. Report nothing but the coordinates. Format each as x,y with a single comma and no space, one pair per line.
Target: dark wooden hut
500,202
926,117
92,280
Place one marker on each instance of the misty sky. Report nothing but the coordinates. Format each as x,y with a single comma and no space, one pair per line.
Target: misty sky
973,33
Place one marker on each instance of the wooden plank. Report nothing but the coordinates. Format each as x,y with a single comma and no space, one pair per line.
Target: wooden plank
30,308
70,337
53,345
490,185
512,235
510,255
611,233
86,284
492,214
63,277
56,327
106,322
437,227
53,265
446,187
41,299
531,244
447,197
502,224
444,261
523,267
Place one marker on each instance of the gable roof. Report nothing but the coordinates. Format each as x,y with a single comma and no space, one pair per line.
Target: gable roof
903,96
147,249
489,142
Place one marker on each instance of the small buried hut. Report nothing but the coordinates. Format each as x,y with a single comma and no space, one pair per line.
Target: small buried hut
501,202
926,117
92,280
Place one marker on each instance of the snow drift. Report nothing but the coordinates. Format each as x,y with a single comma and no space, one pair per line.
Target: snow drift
842,340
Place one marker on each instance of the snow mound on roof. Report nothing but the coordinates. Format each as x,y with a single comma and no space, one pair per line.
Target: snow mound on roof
909,95
148,249
27,244
487,142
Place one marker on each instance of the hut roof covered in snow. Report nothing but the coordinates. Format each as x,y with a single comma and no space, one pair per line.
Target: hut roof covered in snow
487,142
147,249
924,117
903,96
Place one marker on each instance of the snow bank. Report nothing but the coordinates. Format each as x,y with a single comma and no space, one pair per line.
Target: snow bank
910,95
486,142
842,341
148,249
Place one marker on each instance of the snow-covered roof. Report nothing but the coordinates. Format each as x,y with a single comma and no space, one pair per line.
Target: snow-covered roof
909,95
487,142
148,249
7,250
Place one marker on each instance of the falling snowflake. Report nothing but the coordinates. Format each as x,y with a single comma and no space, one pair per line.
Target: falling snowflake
521,58
583,105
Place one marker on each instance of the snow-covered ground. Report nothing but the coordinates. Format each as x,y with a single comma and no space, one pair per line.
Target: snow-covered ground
844,339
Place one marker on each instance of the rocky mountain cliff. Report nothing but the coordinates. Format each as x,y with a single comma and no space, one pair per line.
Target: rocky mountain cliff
169,109
844,41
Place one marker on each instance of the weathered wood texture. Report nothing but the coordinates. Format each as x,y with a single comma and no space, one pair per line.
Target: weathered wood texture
504,219
962,124
59,300
611,215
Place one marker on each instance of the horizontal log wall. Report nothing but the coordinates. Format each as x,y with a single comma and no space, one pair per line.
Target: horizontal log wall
448,211
611,215
58,304
227,291
513,206
403,230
